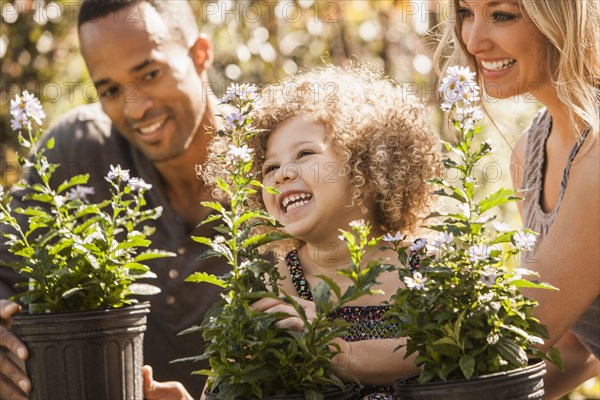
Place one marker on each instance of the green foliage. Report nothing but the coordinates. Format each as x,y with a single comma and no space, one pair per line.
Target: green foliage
463,313
248,354
78,255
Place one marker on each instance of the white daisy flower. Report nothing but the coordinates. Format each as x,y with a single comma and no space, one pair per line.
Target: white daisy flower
60,200
486,298
442,239
25,108
139,184
500,226
234,119
524,240
80,193
117,173
492,338
488,277
416,282
243,154
418,244
467,117
245,91
459,86
479,252
358,224
389,238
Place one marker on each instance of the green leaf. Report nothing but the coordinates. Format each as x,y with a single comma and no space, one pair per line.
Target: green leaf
524,283
135,267
218,207
554,356
322,292
192,329
271,190
206,372
511,352
210,218
143,289
203,240
32,211
503,238
41,197
497,198
198,277
50,143
208,254
223,185
74,181
153,254
259,240
467,365
71,292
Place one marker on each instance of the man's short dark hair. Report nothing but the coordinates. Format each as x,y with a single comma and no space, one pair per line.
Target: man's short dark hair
178,15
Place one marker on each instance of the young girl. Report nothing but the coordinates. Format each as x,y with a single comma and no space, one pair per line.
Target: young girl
340,144
549,49
343,144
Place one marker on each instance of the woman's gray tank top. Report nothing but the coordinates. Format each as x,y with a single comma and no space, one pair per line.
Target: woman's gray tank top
587,327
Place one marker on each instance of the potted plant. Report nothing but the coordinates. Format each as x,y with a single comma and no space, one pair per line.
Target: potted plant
249,356
462,311
84,330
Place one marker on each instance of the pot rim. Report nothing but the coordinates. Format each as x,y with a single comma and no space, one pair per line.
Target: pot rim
138,308
533,364
349,387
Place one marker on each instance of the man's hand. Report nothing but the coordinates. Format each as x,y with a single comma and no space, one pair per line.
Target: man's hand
162,390
294,322
14,383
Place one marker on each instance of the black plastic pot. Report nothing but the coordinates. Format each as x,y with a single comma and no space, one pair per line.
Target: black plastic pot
85,355
332,394
522,383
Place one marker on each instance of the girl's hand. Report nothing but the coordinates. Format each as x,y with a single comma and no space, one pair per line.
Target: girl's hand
162,390
293,322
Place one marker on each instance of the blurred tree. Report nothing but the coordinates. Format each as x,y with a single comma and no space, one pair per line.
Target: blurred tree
38,52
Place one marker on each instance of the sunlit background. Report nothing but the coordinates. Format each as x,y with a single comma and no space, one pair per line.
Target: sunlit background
257,41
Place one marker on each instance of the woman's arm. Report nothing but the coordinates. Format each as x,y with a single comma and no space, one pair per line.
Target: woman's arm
580,365
569,256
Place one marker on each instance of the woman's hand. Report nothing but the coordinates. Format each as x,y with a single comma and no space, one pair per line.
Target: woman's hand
293,322
162,390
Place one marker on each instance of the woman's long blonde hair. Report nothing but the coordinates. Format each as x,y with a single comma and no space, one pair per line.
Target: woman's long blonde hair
572,32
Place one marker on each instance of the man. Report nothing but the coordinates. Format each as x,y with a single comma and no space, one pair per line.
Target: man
149,64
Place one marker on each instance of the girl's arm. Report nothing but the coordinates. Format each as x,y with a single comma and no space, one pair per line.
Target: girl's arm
374,361
371,362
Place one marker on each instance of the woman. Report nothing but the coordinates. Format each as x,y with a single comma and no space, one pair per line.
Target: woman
549,49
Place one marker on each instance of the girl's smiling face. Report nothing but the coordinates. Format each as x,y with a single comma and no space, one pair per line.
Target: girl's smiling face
508,48
315,192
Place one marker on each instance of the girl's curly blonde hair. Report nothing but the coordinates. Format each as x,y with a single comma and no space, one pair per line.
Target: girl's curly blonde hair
381,136
379,132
